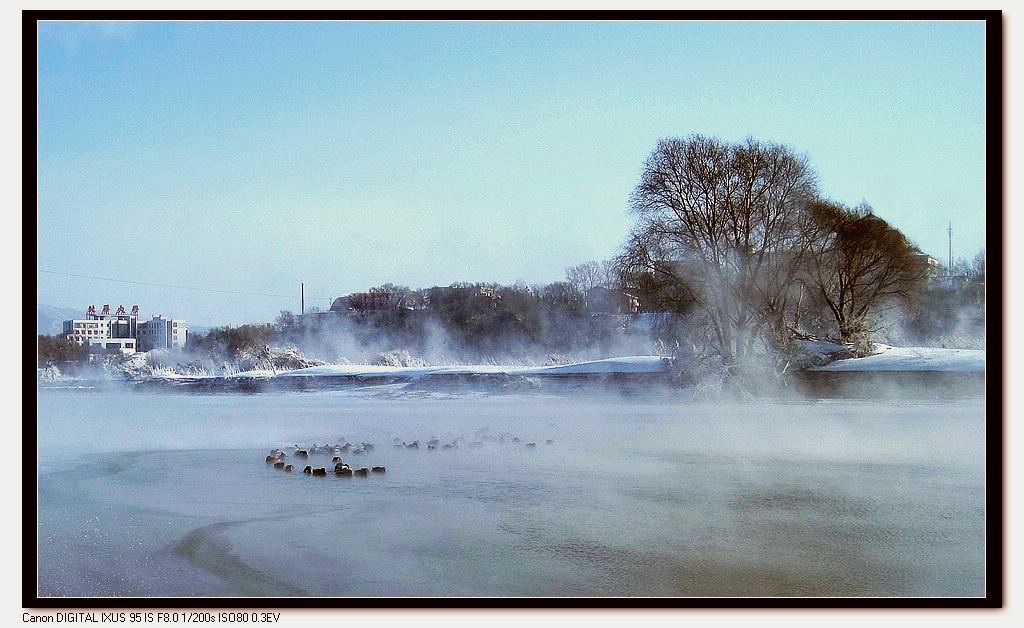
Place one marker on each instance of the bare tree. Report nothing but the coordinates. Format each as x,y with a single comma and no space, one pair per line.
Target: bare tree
286,321
560,293
659,283
858,263
592,274
725,220
977,272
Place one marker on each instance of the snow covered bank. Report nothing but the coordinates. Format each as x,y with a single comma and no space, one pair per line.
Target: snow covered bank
610,366
913,359
814,352
141,370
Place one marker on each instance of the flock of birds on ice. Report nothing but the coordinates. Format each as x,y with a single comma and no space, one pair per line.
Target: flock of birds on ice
279,459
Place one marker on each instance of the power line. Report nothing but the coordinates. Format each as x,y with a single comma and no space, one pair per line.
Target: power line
166,285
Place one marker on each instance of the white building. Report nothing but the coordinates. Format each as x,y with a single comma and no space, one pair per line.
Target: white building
105,331
127,346
162,333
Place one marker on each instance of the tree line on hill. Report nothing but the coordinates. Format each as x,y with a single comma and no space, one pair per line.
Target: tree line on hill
467,321
734,252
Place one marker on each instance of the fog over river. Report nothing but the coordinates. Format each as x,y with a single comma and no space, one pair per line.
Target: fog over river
168,493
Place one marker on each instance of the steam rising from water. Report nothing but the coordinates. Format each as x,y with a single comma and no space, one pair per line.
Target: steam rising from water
168,494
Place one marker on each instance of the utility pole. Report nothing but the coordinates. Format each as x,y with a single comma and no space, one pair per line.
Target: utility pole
949,269
302,298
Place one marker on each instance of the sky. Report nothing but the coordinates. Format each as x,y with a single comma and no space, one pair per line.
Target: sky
246,157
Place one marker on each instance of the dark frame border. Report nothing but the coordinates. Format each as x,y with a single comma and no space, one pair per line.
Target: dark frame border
994,410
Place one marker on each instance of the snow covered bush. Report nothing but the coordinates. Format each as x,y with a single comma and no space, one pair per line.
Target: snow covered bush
397,358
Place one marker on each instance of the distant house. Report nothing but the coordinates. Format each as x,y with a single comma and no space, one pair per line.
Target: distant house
121,331
105,331
376,301
439,296
937,278
339,305
934,267
162,333
601,300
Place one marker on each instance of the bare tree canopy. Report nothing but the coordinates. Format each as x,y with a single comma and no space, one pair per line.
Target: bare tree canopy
726,220
592,274
740,231
857,263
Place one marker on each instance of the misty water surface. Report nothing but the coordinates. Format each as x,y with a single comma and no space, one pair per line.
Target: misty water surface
169,494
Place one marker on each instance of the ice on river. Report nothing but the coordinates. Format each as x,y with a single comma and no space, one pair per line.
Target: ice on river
168,494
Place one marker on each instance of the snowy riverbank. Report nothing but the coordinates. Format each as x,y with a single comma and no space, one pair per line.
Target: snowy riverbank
818,359
611,366
918,359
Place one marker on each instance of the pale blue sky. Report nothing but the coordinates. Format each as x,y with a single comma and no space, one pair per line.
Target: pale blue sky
250,156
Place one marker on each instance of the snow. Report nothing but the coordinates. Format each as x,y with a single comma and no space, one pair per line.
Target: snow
258,373
610,366
169,374
814,352
372,370
627,364
913,359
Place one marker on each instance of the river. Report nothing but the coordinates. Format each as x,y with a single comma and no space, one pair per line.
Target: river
168,494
